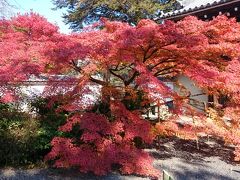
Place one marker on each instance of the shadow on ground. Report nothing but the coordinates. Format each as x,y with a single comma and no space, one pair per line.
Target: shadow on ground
180,158
186,149
184,161
57,174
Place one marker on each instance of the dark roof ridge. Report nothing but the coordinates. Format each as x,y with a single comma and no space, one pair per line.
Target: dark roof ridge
185,12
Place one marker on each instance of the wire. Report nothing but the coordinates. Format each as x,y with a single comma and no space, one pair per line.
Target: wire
19,5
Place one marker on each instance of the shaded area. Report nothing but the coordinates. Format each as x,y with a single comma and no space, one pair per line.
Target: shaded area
57,174
187,149
183,160
179,158
24,137
214,169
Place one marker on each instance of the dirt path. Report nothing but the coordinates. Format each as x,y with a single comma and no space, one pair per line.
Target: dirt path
53,174
181,159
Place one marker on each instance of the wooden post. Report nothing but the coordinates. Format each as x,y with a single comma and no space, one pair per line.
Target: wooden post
158,106
166,176
197,142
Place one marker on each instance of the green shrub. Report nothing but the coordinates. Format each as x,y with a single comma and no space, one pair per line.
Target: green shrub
18,131
49,121
26,139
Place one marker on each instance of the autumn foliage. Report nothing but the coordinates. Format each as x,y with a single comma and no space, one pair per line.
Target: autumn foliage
127,64
105,143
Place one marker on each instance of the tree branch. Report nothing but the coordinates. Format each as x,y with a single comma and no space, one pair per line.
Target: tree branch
169,72
75,67
103,83
117,75
162,70
161,62
135,74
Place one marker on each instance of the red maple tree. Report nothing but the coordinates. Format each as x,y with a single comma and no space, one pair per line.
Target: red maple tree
127,63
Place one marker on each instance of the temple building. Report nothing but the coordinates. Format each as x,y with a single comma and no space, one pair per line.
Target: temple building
205,10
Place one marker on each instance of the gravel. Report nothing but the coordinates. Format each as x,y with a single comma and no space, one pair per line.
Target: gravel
211,169
53,174
180,159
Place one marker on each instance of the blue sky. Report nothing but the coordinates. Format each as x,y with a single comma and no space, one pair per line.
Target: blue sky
44,8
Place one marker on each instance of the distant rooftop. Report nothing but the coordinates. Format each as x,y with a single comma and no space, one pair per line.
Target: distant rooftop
196,3
194,6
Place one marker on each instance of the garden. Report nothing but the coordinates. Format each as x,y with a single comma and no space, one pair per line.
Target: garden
102,85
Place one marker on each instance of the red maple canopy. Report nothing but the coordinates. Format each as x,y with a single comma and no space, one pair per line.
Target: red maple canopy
127,63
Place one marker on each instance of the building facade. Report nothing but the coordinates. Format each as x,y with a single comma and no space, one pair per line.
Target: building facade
205,10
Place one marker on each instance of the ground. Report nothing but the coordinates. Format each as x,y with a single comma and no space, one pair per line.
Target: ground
181,159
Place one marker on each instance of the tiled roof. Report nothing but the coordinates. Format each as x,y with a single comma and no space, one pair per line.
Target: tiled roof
190,6
195,3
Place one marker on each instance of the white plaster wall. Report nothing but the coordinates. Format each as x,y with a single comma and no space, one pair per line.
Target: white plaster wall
194,91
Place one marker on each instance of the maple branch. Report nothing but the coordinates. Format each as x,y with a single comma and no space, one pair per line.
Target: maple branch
117,75
161,62
164,46
103,83
75,66
165,73
145,57
218,62
145,51
135,74
78,69
152,53
116,67
162,70
200,94
122,68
